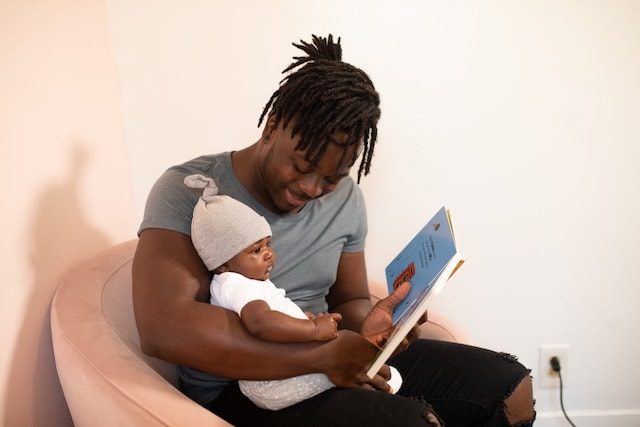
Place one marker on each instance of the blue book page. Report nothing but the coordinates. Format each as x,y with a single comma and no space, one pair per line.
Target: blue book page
421,262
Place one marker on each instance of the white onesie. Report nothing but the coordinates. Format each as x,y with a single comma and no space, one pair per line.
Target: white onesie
233,291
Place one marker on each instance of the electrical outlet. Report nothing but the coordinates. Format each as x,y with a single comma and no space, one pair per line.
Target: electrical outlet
547,377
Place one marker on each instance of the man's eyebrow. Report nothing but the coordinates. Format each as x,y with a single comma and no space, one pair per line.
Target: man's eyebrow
302,156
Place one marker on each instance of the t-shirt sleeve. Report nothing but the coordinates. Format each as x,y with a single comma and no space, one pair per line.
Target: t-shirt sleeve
356,239
170,203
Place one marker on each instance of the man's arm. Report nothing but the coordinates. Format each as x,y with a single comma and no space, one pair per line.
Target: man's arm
176,323
350,297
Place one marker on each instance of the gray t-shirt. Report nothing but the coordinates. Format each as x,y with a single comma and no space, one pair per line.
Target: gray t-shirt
308,244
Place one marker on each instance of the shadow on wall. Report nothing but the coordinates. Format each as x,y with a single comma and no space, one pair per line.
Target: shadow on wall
61,237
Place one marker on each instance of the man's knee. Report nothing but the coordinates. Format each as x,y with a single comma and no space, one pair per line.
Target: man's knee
518,406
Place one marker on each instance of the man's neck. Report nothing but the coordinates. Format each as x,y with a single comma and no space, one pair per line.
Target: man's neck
246,165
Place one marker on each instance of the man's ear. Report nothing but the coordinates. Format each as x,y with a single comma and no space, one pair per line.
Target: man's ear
269,127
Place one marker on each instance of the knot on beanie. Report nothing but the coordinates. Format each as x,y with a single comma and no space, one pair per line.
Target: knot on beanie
222,226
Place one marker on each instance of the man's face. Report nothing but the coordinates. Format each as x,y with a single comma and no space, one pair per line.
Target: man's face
291,180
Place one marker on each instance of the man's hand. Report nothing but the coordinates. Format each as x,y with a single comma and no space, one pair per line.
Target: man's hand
348,359
378,325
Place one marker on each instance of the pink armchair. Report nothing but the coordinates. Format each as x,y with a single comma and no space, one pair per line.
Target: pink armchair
106,378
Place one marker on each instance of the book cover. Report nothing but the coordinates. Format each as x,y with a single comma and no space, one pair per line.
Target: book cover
427,262
421,261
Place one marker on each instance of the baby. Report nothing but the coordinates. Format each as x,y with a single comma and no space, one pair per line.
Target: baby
234,242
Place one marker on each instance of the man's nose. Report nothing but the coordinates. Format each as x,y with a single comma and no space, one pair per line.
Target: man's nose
311,185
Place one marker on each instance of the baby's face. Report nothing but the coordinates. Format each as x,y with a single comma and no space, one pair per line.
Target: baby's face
254,262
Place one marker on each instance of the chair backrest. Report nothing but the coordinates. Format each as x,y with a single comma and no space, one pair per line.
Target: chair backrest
106,378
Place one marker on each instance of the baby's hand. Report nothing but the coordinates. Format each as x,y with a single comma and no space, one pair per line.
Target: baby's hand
326,326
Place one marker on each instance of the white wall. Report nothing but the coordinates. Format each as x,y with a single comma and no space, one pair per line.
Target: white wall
522,117
519,116
66,187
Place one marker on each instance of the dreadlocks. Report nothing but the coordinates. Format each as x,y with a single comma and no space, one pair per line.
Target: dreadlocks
324,96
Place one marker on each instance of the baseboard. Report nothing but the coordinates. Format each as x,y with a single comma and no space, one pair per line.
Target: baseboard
590,418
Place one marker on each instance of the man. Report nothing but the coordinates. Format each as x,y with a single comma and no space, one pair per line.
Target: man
322,118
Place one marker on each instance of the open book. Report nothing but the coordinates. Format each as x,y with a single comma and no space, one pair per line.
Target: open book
427,262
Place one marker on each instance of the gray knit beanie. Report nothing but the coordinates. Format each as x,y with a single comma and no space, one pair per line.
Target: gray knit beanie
222,226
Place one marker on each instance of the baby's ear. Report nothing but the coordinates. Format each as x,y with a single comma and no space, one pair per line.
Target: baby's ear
222,269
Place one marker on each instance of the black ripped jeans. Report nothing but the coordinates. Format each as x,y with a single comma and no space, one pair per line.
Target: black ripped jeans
465,386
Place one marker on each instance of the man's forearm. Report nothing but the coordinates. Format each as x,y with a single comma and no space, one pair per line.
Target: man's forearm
214,340
353,313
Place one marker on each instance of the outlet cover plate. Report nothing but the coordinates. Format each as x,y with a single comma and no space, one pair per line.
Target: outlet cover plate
547,378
